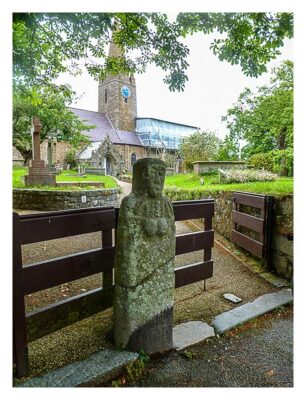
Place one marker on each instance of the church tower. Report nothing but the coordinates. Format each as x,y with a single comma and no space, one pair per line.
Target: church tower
117,96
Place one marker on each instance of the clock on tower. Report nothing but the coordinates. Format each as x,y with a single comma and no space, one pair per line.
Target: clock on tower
125,92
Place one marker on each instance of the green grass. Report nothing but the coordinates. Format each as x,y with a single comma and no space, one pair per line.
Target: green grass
192,181
65,176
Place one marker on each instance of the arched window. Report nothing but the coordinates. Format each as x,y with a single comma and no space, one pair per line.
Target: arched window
133,159
105,96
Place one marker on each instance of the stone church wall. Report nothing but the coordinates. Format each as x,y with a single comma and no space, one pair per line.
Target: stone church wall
126,152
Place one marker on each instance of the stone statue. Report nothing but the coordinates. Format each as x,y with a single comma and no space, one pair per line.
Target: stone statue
144,263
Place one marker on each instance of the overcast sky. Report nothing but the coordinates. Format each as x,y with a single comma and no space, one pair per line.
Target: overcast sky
212,88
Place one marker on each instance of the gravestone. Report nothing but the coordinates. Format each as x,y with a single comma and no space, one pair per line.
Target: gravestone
39,173
144,263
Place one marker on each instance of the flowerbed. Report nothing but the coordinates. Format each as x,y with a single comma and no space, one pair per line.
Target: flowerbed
246,175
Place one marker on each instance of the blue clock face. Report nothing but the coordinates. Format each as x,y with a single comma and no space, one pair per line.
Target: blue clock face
125,91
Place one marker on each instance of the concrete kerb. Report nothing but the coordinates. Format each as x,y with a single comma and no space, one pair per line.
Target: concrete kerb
109,364
97,369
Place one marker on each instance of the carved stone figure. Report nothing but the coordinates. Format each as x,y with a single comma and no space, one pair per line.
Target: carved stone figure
144,263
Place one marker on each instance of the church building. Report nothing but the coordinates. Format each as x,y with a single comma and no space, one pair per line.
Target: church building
120,137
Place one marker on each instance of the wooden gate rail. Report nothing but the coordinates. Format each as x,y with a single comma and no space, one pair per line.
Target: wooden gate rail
188,242
34,228
261,225
31,278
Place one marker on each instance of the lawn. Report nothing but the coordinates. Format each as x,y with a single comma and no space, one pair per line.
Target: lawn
192,181
65,176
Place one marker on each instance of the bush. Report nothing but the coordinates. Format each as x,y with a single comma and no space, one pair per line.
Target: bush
71,158
262,161
277,161
246,175
283,162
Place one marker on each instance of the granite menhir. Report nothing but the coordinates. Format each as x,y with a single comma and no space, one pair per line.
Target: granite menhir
144,263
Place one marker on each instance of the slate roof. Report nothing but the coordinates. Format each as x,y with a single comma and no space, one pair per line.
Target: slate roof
131,138
104,128
86,152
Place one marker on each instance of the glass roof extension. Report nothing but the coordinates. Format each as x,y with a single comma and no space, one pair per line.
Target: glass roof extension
157,133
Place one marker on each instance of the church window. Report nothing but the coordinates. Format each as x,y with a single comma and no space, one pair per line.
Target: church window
125,100
133,159
105,95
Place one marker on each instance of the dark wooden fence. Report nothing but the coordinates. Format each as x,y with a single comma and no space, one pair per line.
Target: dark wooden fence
29,279
256,238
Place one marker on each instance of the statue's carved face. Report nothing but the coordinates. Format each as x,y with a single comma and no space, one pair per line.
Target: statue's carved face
155,177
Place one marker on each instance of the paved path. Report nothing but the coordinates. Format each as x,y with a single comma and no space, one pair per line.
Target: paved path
125,189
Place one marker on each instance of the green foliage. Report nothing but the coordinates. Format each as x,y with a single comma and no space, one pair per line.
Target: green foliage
278,161
50,105
133,371
47,44
200,146
228,150
188,354
18,174
170,160
71,158
265,118
283,162
262,161
248,39
188,186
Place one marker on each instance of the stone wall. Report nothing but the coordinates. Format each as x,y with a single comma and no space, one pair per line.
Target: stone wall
60,150
52,200
282,237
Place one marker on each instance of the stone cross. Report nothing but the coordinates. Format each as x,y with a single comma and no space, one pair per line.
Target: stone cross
38,174
36,130
144,263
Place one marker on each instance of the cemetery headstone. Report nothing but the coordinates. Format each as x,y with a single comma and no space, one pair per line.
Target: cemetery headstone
144,263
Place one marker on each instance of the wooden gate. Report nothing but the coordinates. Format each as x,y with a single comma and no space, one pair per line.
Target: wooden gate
33,228
252,223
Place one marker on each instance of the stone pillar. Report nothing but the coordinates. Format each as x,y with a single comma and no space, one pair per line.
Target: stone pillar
144,263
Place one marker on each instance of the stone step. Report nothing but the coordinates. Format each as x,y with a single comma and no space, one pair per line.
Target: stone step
98,368
261,305
189,333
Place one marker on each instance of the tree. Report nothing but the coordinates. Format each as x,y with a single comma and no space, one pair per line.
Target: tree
200,146
45,45
229,149
265,118
50,105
